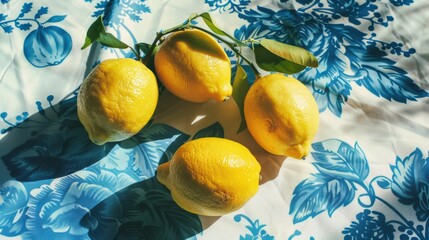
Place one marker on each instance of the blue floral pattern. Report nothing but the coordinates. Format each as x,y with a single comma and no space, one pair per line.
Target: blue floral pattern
46,45
341,169
62,186
346,54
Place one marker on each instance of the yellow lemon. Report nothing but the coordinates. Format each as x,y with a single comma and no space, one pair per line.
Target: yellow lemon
211,176
281,115
194,67
116,100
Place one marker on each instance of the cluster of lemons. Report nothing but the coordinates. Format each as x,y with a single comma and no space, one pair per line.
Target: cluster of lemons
207,176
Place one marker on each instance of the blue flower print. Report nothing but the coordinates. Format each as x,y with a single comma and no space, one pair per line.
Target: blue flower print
369,225
346,54
13,204
56,209
47,45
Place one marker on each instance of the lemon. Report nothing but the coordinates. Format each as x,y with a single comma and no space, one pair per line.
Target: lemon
194,67
281,115
116,100
211,176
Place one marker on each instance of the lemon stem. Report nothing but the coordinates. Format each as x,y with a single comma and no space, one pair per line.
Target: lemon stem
232,47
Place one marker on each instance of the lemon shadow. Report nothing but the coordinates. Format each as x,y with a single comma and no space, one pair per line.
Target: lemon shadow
143,210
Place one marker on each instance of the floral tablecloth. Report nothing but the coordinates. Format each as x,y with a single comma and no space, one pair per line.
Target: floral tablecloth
367,176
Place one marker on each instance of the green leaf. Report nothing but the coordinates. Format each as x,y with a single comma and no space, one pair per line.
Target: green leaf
271,62
94,32
210,23
97,32
291,53
143,47
239,90
107,39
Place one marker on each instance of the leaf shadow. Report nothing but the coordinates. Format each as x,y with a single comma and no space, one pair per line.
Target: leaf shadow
50,143
143,210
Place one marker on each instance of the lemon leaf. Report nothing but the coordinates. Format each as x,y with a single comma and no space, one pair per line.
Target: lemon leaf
240,88
93,32
269,61
291,53
280,57
97,33
107,39
212,25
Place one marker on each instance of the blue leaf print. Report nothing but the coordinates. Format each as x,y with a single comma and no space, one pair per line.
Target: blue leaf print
318,194
384,79
404,177
57,18
26,8
411,181
337,159
42,11
7,28
25,26
139,8
2,17
214,130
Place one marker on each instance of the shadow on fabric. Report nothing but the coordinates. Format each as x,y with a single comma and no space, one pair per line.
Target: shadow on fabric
144,210
49,144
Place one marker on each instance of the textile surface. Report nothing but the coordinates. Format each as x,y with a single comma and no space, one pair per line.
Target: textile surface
367,176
